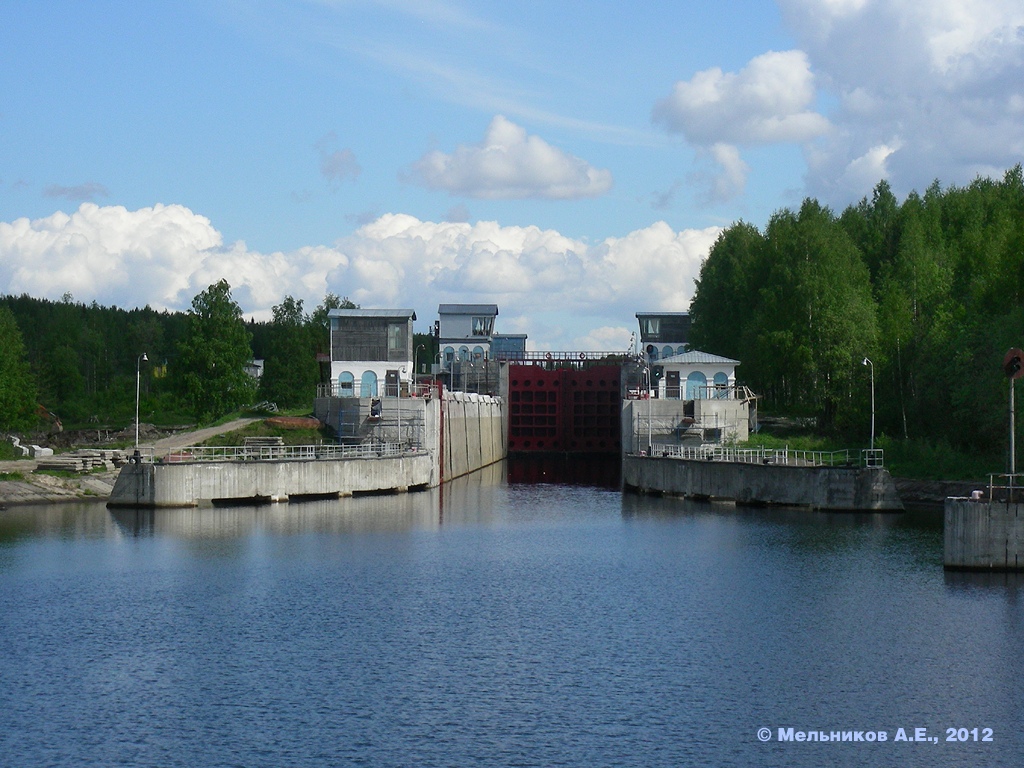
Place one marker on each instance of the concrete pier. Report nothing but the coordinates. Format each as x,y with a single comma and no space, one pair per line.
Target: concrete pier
816,487
456,434
983,535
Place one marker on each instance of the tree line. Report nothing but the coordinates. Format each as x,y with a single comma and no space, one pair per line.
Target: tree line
926,295
79,363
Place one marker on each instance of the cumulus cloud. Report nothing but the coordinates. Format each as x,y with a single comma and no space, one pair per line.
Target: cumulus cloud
510,164
924,91
541,279
766,102
336,164
79,193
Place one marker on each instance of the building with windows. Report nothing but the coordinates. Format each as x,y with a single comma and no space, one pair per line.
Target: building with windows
508,346
371,352
663,334
465,333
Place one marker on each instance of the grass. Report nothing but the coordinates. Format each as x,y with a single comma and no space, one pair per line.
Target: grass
13,477
262,429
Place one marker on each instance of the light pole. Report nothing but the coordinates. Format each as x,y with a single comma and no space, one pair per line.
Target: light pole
872,365
416,360
138,382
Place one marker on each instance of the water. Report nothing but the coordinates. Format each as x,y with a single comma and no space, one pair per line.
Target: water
497,624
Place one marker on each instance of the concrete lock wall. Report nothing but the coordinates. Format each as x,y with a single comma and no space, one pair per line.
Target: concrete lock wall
982,535
837,488
474,433
459,433
185,484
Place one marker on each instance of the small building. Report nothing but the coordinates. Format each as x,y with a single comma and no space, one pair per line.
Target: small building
371,352
465,333
691,398
696,375
508,346
663,334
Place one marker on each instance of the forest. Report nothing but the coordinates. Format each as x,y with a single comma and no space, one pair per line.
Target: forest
925,295
79,364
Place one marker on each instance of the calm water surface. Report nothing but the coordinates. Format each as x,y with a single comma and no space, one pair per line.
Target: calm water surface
497,624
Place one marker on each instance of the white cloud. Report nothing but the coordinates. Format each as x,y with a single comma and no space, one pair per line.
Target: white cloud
766,102
541,280
925,91
510,164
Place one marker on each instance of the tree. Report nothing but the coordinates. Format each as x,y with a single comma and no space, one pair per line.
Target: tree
290,367
213,355
17,387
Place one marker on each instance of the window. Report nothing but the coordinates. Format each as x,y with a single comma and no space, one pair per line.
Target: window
346,384
478,353
667,351
695,384
368,384
650,326
482,326
449,354
463,353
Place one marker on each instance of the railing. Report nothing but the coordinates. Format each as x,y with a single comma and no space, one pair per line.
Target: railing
1009,489
703,392
777,456
334,389
549,357
284,452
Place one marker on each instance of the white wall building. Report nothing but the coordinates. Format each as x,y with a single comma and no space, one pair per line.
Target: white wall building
465,332
371,351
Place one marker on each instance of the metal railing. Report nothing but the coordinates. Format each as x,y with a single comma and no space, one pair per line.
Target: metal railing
777,456
283,452
356,390
1008,489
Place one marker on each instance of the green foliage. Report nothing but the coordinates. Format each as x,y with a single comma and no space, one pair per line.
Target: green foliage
931,290
290,369
303,436
17,385
214,353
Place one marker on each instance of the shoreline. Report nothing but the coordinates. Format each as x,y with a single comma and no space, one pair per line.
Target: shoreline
96,487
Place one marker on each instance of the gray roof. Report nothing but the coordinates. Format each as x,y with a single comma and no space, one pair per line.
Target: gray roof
467,309
662,314
695,357
404,314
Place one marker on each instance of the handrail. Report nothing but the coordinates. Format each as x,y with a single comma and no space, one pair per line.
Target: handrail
198,453
777,456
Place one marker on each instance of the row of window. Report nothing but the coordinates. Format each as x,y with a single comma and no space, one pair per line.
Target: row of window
464,354
697,382
367,386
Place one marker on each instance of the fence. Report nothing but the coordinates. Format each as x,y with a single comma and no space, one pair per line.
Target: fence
281,452
778,456
378,389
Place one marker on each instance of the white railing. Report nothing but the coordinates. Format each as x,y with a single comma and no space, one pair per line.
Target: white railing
284,452
355,389
778,456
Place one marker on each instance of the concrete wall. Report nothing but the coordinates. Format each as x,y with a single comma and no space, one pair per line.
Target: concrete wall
732,417
189,483
475,433
838,488
984,536
460,433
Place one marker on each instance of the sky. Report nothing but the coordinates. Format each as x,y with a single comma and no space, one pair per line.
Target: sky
572,163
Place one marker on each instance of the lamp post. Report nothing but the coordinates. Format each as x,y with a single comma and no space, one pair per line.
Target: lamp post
416,359
138,382
872,366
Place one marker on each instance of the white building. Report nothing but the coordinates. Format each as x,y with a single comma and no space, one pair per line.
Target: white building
371,351
465,333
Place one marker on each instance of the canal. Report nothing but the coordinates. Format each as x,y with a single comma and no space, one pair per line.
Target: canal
522,616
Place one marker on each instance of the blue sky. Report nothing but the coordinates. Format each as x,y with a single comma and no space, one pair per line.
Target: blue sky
572,163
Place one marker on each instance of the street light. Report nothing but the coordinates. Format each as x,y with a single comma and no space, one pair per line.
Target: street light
416,359
872,365
138,381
